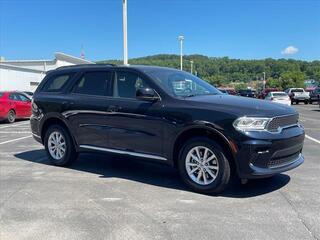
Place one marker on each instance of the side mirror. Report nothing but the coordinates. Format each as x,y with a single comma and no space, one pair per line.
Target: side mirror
147,94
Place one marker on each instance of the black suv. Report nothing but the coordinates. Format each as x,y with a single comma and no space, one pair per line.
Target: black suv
168,116
247,93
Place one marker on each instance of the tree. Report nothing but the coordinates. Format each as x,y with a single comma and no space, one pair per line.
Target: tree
273,83
291,79
224,71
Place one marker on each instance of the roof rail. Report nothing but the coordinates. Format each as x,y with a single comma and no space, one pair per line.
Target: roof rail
88,65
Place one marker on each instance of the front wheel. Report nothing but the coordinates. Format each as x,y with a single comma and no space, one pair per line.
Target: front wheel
203,166
306,102
59,146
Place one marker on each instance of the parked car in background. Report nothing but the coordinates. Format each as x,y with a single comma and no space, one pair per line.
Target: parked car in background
298,95
168,116
230,91
14,105
247,93
314,95
265,92
279,97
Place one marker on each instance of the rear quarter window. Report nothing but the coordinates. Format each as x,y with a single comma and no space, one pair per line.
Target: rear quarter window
57,82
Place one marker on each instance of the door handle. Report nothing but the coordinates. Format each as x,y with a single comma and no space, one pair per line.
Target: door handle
114,108
67,103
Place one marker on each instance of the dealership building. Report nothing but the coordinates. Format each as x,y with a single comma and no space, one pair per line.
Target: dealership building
25,75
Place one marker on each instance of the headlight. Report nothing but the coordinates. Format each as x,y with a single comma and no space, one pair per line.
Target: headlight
250,123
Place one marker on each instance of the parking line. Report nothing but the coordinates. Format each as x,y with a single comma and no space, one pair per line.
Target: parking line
13,140
4,132
13,125
312,139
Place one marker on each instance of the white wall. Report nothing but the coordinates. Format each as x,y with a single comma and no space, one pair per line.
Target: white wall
13,79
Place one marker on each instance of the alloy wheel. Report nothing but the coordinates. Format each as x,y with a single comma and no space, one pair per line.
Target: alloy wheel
57,145
202,165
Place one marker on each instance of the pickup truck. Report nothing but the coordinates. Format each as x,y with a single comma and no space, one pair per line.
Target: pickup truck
298,95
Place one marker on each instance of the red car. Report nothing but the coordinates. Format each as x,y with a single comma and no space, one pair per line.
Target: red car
14,105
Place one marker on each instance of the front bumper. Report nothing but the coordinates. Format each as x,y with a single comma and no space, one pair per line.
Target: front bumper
274,153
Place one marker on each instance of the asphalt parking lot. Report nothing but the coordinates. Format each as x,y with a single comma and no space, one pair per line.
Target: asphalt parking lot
102,197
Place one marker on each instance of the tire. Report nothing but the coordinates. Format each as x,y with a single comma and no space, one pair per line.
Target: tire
215,185
297,102
306,102
292,102
65,157
11,118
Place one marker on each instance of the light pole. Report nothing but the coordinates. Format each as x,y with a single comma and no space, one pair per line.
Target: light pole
181,38
264,80
191,66
125,36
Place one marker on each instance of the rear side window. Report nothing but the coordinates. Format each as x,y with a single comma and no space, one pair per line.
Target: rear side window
56,83
94,83
23,98
1,94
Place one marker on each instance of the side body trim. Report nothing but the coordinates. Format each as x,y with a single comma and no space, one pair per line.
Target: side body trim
135,154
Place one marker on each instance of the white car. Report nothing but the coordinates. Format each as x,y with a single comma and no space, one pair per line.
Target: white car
278,97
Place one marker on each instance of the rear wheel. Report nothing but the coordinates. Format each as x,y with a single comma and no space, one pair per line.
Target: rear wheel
203,166
59,146
11,116
306,102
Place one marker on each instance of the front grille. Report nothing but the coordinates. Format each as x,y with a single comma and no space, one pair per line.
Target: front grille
281,122
279,162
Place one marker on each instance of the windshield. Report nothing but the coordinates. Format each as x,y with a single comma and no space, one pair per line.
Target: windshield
279,94
182,84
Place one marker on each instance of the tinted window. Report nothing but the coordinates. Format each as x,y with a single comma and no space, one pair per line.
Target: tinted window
94,83
57,83
127,83
1,94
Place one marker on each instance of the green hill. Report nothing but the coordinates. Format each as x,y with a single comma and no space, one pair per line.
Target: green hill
225,71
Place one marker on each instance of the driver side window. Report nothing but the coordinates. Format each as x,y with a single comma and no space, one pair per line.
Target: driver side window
127,83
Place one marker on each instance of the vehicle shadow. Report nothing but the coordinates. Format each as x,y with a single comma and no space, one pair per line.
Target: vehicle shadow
16,121
153,174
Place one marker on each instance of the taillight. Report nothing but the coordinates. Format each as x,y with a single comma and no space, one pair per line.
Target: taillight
34,106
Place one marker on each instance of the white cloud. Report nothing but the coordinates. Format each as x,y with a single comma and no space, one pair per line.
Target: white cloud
289,50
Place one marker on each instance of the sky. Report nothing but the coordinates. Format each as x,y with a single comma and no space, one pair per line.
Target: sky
243,29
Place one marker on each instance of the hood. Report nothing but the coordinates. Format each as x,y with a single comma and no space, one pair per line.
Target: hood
242,106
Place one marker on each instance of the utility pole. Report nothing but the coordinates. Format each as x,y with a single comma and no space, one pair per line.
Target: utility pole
191,66
125,36
264,80
181,38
